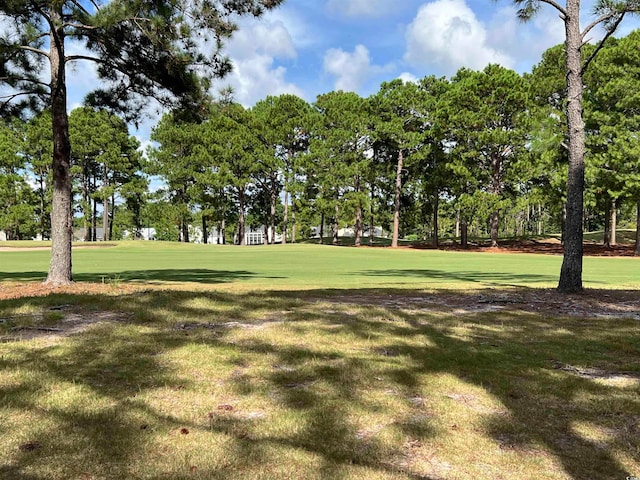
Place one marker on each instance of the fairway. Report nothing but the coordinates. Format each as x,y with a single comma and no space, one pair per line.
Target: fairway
314,266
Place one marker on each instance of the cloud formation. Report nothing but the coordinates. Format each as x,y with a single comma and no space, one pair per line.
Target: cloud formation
353,69
254,49
447,34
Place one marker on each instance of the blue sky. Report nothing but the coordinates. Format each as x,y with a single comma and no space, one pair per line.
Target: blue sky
309,47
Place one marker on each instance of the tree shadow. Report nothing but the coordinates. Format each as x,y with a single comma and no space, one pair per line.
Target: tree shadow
511,356
486,278
203,276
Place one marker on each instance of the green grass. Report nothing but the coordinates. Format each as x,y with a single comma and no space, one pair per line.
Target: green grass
299,385
314,266
311,362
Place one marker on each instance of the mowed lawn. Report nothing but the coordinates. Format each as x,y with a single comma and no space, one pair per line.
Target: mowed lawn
310,362
311,266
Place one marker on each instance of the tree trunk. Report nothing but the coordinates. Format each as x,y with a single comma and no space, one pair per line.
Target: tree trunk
94,216
86,204
571,271
396,201
241,239
272,212
205,233
112,216
61,212
293,219
539,219
637,249
436,202
614,221
372,225
105,206
265,240
495,222
285,219
606,238
464,234
42,207
458,222
336,223
358,214
321,228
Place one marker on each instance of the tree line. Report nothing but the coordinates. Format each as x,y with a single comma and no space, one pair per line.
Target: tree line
154,50
482,152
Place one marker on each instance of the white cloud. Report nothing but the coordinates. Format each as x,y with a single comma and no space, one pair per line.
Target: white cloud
359,8
351,70
255,77
253,50
408,77
447,34
525,42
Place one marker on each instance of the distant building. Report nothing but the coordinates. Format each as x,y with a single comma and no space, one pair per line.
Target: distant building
79,234
347,232
3,236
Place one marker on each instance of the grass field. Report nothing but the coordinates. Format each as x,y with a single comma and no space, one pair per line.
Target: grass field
313,266
308,362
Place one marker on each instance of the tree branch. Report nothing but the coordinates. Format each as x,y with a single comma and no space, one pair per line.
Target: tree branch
610,32
73,58
556,5
598,21
28,80
27,48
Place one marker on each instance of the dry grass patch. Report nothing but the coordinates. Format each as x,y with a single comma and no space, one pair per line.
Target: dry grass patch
203,384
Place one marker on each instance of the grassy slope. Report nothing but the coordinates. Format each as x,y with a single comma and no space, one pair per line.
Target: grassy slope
312,266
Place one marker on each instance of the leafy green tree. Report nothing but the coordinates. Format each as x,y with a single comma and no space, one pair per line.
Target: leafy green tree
339,150
485,114
608,14
17,213
177,161
284,123
612,116
105,159
38,150
403,111
141,48
230,149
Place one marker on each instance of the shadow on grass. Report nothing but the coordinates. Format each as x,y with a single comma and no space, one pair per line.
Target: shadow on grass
487,278
511,356
203,276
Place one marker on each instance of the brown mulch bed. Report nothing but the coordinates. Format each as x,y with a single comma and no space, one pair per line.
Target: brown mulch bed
548,247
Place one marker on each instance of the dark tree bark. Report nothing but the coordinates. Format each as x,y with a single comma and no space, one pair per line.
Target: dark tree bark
396,201
285,221
61,216
241,217
464,234
336,224
293,219
606,237
358,215
614,222
105,207
571,271
637,249
321,228
205,232
436,204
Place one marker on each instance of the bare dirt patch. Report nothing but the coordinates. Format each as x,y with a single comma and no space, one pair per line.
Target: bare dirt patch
545,302
71,324
549,246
